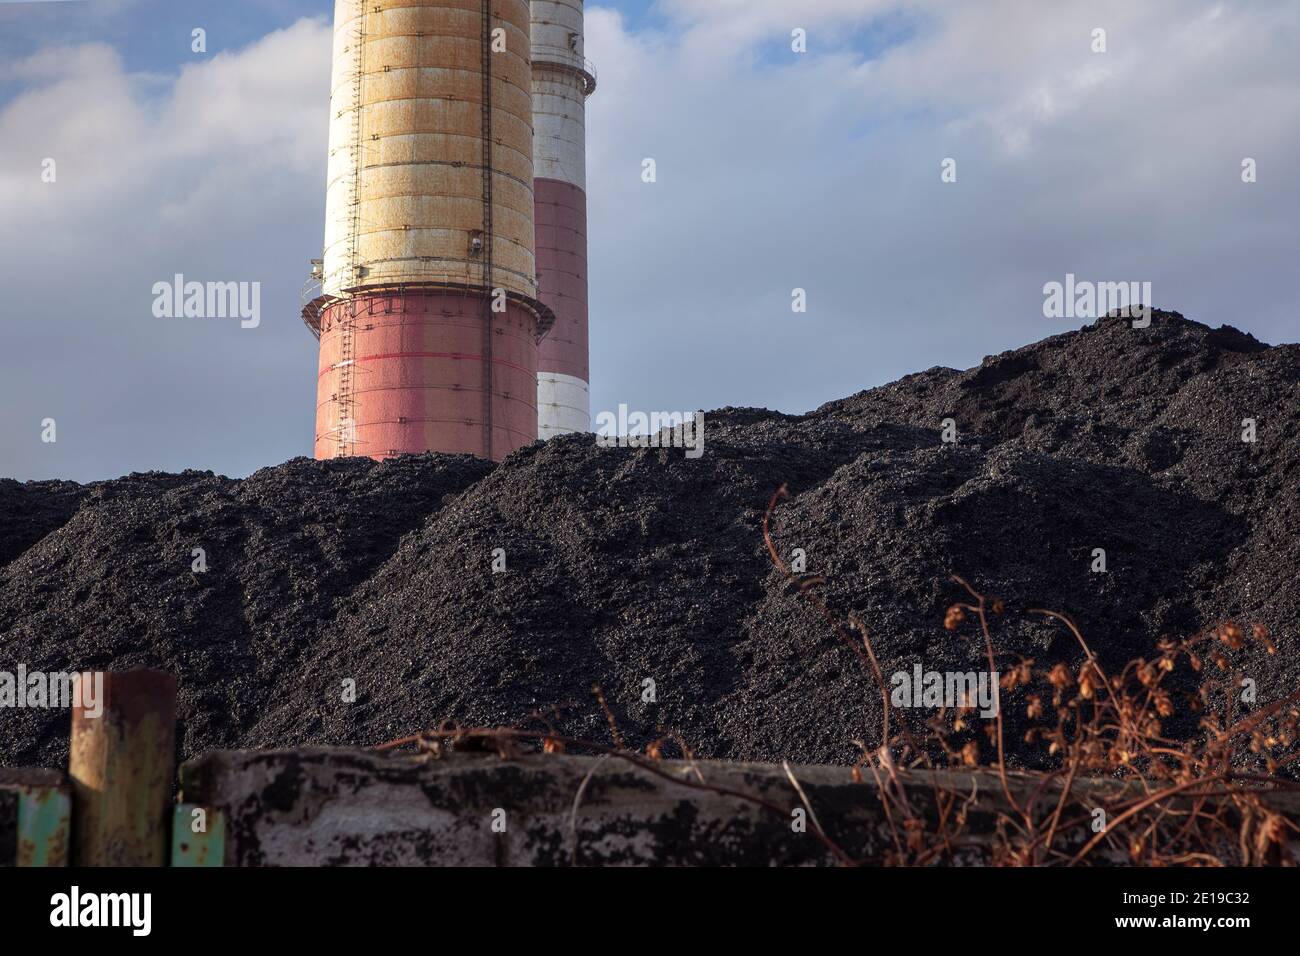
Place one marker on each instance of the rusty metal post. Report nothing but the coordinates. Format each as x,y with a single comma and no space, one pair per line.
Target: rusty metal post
122,764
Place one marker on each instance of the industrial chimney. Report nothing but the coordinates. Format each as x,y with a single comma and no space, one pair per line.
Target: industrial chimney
428,316
562,80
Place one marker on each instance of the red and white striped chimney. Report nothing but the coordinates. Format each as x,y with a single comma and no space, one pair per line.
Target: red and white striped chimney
562,80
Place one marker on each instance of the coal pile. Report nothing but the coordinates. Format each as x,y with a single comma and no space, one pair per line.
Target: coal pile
627,565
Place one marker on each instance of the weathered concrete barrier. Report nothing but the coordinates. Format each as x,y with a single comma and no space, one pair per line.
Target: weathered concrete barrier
351,807
316,807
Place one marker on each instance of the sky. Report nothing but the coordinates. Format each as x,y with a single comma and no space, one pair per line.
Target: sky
777,170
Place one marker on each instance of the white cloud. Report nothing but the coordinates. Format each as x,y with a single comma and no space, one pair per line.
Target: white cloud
216,173
261,108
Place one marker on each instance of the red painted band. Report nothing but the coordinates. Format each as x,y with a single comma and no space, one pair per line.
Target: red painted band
561,214
378,368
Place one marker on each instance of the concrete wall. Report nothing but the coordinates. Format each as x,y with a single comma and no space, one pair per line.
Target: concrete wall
349,807
312,807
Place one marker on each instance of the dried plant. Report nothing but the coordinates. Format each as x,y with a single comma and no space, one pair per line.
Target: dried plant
1191,801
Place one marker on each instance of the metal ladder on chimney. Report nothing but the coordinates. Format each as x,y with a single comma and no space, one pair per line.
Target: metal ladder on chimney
345,437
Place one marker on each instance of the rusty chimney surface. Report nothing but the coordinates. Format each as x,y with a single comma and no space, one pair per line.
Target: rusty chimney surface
562,80
429,318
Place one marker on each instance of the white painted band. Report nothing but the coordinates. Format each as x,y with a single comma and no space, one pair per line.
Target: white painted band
563,405
559,130
557,30
559,100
